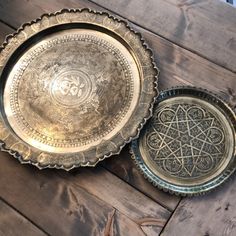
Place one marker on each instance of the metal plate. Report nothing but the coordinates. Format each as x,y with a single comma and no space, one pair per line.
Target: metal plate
188,146
76,86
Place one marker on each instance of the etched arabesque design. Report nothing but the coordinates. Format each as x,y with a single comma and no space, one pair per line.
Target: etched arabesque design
188,146
186,140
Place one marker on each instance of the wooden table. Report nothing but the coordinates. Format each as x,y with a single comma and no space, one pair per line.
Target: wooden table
194,43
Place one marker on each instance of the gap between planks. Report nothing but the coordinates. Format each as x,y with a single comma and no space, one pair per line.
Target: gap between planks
144,193
171,215
24,216
30,192
163,37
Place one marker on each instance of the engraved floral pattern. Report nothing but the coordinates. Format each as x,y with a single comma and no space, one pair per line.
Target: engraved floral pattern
105,147
87,99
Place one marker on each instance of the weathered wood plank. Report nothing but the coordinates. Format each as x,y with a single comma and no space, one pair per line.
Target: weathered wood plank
53,204
14,224
70,204
123,166
211,215
122,225
4,30
115,192
205,27
16,12
118,224
179,66
121,196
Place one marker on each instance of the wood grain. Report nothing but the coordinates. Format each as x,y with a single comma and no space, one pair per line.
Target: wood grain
190,24
80,203
14,224
123,166
211,215
16,12
121,225
4,31
53,204
117,193
121,196
179,66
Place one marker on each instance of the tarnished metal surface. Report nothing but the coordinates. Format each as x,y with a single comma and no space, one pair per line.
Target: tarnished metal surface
76,86
188,146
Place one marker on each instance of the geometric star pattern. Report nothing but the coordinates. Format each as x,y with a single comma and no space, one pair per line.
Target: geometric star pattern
185,140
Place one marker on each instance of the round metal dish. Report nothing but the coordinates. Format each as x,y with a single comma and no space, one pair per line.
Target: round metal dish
188,146
76,86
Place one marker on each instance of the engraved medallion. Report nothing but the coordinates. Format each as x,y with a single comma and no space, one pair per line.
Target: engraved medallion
188,146
73,87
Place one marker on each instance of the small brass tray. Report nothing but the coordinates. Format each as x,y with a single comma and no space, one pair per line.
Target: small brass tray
76,86
188,146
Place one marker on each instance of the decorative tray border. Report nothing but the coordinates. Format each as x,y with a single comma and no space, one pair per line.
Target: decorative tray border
28,154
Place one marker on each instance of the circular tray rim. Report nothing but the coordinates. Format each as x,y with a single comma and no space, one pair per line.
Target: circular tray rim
29,29
197,189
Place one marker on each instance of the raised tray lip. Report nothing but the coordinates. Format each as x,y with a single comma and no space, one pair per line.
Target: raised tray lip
197,189
18,153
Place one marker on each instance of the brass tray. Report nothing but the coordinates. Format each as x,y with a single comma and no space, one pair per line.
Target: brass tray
76,86
188,146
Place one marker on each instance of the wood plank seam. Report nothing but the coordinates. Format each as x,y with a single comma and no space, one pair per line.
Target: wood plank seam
28,219
161,204
72,191
110,221
207,215
138,221
161,36
170,41
138,190
172,213
9,25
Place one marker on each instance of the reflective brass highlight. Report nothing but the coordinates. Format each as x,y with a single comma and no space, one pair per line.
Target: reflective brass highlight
74,84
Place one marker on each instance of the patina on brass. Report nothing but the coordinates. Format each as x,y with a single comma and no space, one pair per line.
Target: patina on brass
76,87
188,146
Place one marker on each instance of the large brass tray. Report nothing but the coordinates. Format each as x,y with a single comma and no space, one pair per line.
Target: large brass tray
188,146
76,86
